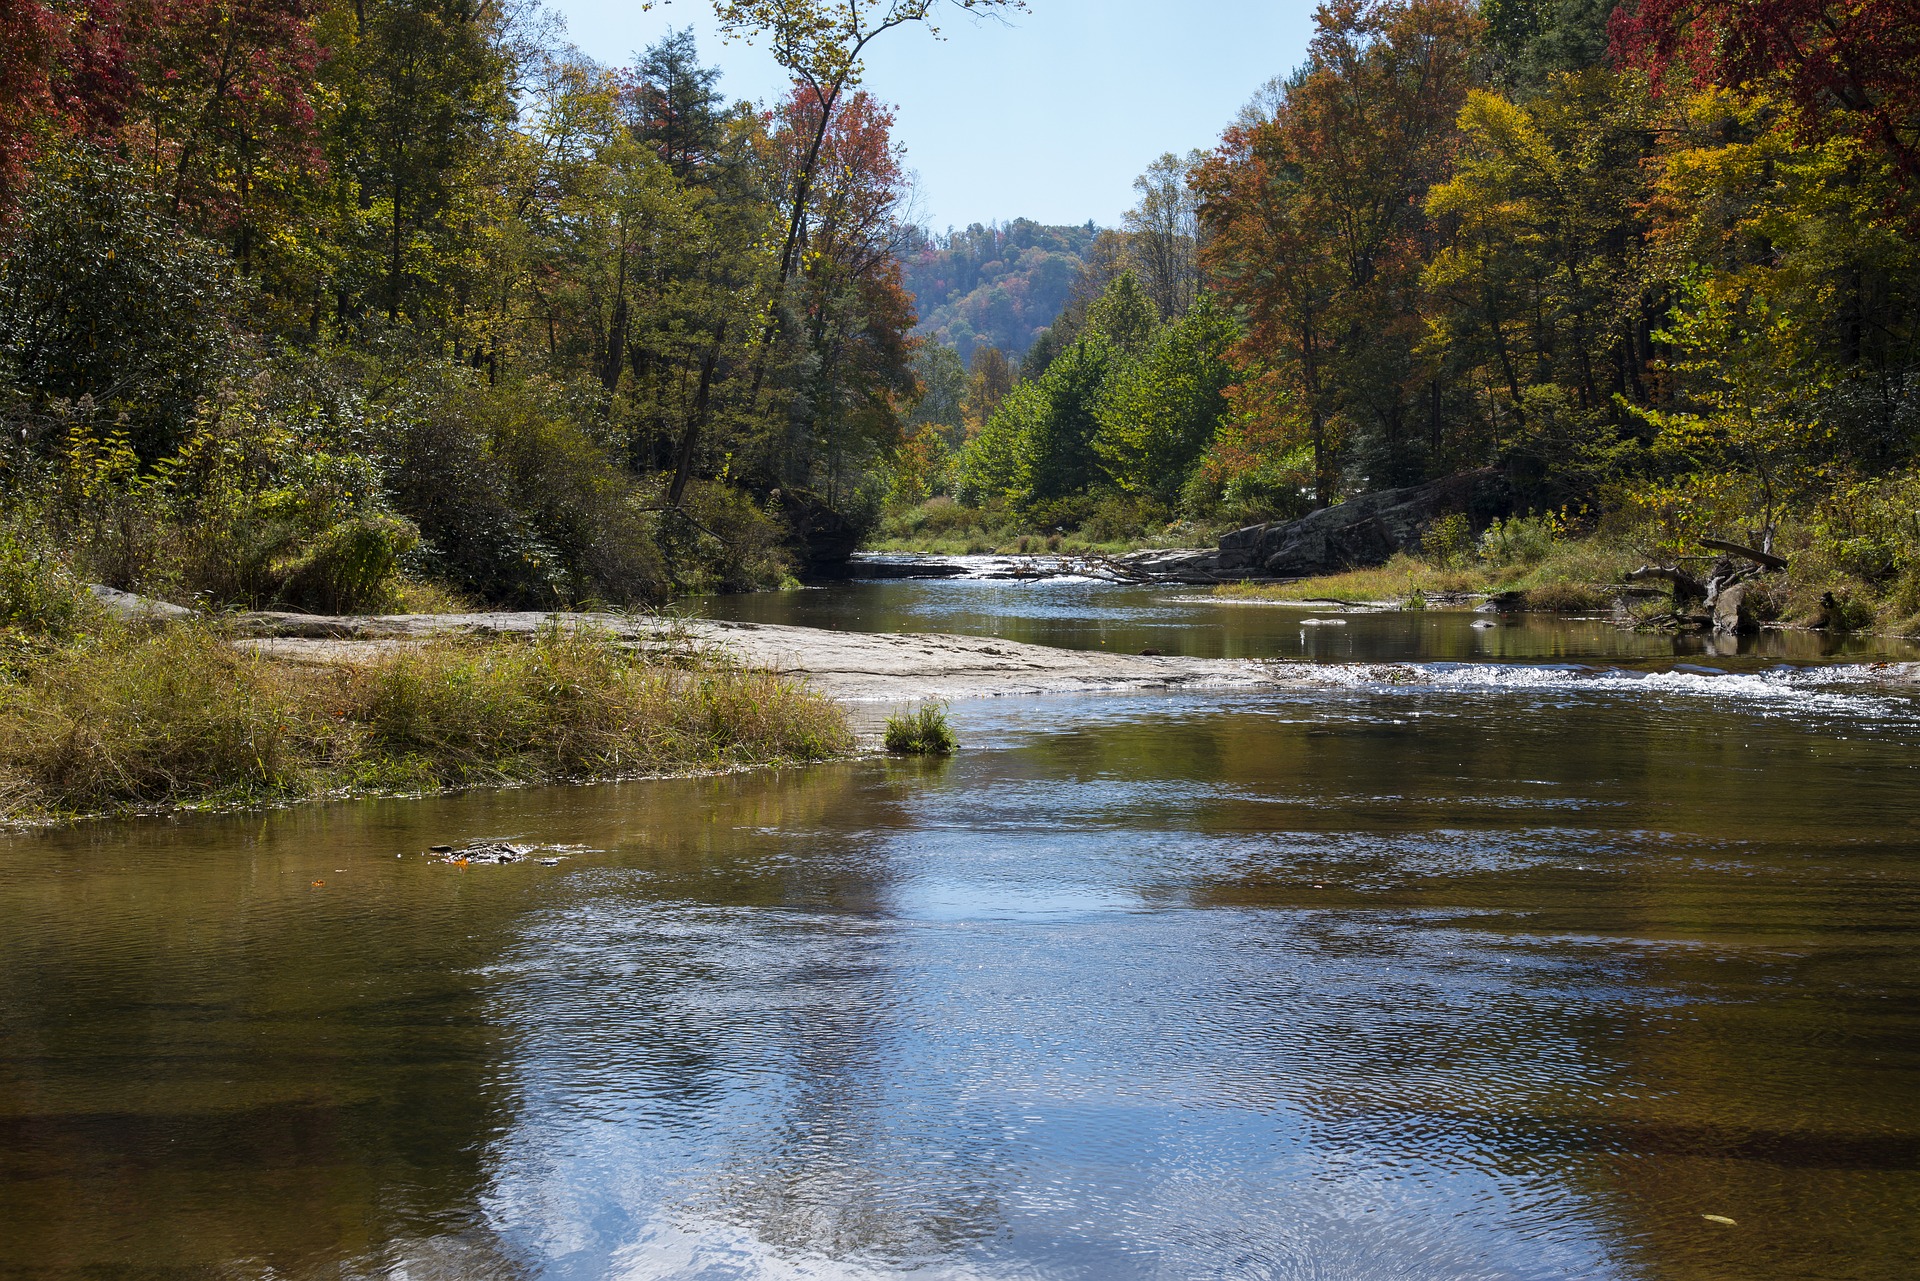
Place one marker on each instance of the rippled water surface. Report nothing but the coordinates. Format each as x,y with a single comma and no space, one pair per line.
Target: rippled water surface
1442,971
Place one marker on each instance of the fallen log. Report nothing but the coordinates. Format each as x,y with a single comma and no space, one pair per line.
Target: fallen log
1766,560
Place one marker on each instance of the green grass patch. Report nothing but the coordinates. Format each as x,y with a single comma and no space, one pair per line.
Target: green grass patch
1399,579
123,719
1564,575
922,732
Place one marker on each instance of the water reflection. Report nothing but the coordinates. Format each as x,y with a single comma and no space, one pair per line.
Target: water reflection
1359,979
1077,614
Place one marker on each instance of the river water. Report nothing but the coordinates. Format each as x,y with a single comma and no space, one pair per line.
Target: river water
1507,952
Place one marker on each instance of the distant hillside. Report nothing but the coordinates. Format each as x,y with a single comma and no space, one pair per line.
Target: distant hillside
993,286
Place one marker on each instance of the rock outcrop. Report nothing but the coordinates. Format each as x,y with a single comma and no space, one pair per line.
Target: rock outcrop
1364,530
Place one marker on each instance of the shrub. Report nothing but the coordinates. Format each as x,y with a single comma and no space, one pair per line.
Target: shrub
352,568
922,732
1521,540
736,545
38,596
515,500
1448,542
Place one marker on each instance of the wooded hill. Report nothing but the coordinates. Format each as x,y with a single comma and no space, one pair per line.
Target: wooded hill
993,286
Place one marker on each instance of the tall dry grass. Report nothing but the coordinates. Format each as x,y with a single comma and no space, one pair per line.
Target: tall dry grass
123,719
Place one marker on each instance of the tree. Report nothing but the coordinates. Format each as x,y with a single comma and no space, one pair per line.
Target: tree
421,86
1158,413
104,298
1165,232
1124,315
1539,291
224,117
1316,231
988,383
677,108
1850,68
854,314
943,392
823,44
64,74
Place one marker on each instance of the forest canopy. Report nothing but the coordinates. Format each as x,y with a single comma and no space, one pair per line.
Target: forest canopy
306,303
416,284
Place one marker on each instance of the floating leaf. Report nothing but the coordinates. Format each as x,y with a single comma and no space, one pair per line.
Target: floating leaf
1719,1218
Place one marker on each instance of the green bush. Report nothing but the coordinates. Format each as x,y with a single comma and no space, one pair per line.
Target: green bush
922,732
726,542
38,596
514,501
1448,542
352,568
1521,540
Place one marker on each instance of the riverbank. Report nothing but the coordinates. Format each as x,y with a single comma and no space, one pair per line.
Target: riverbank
1573,583
1598,576
130,717
879,668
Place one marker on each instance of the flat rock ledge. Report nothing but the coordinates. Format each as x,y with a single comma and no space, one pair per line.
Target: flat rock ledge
856,667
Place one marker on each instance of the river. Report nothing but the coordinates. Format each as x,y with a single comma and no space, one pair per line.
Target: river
1497,952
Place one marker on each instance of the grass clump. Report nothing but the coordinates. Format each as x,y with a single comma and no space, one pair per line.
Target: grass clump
1399,579
1535,555
122,719
922,732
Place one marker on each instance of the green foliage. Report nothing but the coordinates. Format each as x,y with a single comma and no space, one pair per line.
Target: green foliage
922,732
1124,315
1448,542
107,303
1522,540
1158,413
530,298
39,597
730,544
352,567
1059,454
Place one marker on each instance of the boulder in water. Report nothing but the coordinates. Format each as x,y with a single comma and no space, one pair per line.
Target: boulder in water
1732,615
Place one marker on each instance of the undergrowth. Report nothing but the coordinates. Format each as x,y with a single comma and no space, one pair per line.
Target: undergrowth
123,719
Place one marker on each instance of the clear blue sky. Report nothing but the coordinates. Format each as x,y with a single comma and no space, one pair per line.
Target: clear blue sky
1049,116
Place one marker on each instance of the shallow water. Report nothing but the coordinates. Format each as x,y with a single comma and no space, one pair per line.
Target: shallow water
1431,970
1078,614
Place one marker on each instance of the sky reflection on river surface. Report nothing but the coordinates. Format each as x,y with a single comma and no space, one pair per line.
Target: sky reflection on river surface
1439,972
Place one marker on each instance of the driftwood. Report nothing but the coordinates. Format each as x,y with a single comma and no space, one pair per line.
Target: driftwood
1766,560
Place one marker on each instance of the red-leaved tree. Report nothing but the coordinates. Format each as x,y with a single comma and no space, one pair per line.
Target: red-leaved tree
63,72
1851,66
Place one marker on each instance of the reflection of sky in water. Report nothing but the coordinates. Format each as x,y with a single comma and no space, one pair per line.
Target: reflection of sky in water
1427,971
1046,1047
1217,1094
